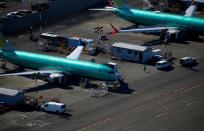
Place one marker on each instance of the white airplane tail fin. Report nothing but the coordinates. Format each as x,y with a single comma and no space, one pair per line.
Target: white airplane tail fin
191,10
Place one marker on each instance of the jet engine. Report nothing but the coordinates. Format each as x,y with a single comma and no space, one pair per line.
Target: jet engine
57,78
168,35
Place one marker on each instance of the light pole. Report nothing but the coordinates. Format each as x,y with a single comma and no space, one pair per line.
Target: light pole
40,7
98,30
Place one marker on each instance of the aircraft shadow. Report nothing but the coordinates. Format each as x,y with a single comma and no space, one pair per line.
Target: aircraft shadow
123,89
167,69
16,70
153,43
129,27
48,86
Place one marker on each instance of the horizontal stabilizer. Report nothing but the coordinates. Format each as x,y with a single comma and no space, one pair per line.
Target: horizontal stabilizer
111,9
103,9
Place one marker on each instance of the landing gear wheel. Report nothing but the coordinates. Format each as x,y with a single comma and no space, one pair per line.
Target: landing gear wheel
83,82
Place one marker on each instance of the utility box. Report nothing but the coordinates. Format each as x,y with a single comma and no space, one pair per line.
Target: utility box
11,97
131,52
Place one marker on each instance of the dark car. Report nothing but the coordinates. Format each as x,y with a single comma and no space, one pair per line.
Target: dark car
188,61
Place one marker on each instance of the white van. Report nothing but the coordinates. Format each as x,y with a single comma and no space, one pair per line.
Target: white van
54,107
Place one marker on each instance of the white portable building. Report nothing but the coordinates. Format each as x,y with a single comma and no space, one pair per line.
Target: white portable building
131,52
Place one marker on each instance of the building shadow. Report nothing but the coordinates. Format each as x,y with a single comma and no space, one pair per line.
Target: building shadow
16,70
167,69
192,67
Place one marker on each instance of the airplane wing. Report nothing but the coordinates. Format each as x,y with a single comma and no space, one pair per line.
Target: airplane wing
143,29
147,29
76,53
191,10
40,72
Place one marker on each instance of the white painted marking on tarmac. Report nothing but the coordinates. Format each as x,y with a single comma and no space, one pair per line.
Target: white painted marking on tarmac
191,103
21,36
179,89
160,115
126,128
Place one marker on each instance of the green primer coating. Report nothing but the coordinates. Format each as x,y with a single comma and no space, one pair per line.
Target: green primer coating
67,66
150,18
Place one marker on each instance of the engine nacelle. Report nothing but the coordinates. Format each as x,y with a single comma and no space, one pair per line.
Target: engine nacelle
57,78
171,34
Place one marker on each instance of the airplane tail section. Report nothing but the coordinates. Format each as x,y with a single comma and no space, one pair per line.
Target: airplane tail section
114,30
117,3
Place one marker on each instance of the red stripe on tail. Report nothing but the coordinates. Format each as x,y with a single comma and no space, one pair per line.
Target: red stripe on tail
114,31
193,2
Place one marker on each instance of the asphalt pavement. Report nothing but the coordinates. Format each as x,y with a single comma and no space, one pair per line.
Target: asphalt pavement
162,102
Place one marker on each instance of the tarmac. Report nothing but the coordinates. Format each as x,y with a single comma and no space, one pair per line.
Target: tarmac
150,100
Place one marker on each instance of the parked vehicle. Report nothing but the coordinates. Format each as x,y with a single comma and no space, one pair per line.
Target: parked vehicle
24,12
163,64
3,5
54,107
4,18
156,58
13,15
187,61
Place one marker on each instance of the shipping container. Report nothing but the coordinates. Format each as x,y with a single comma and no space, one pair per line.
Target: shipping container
131,52
11,97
